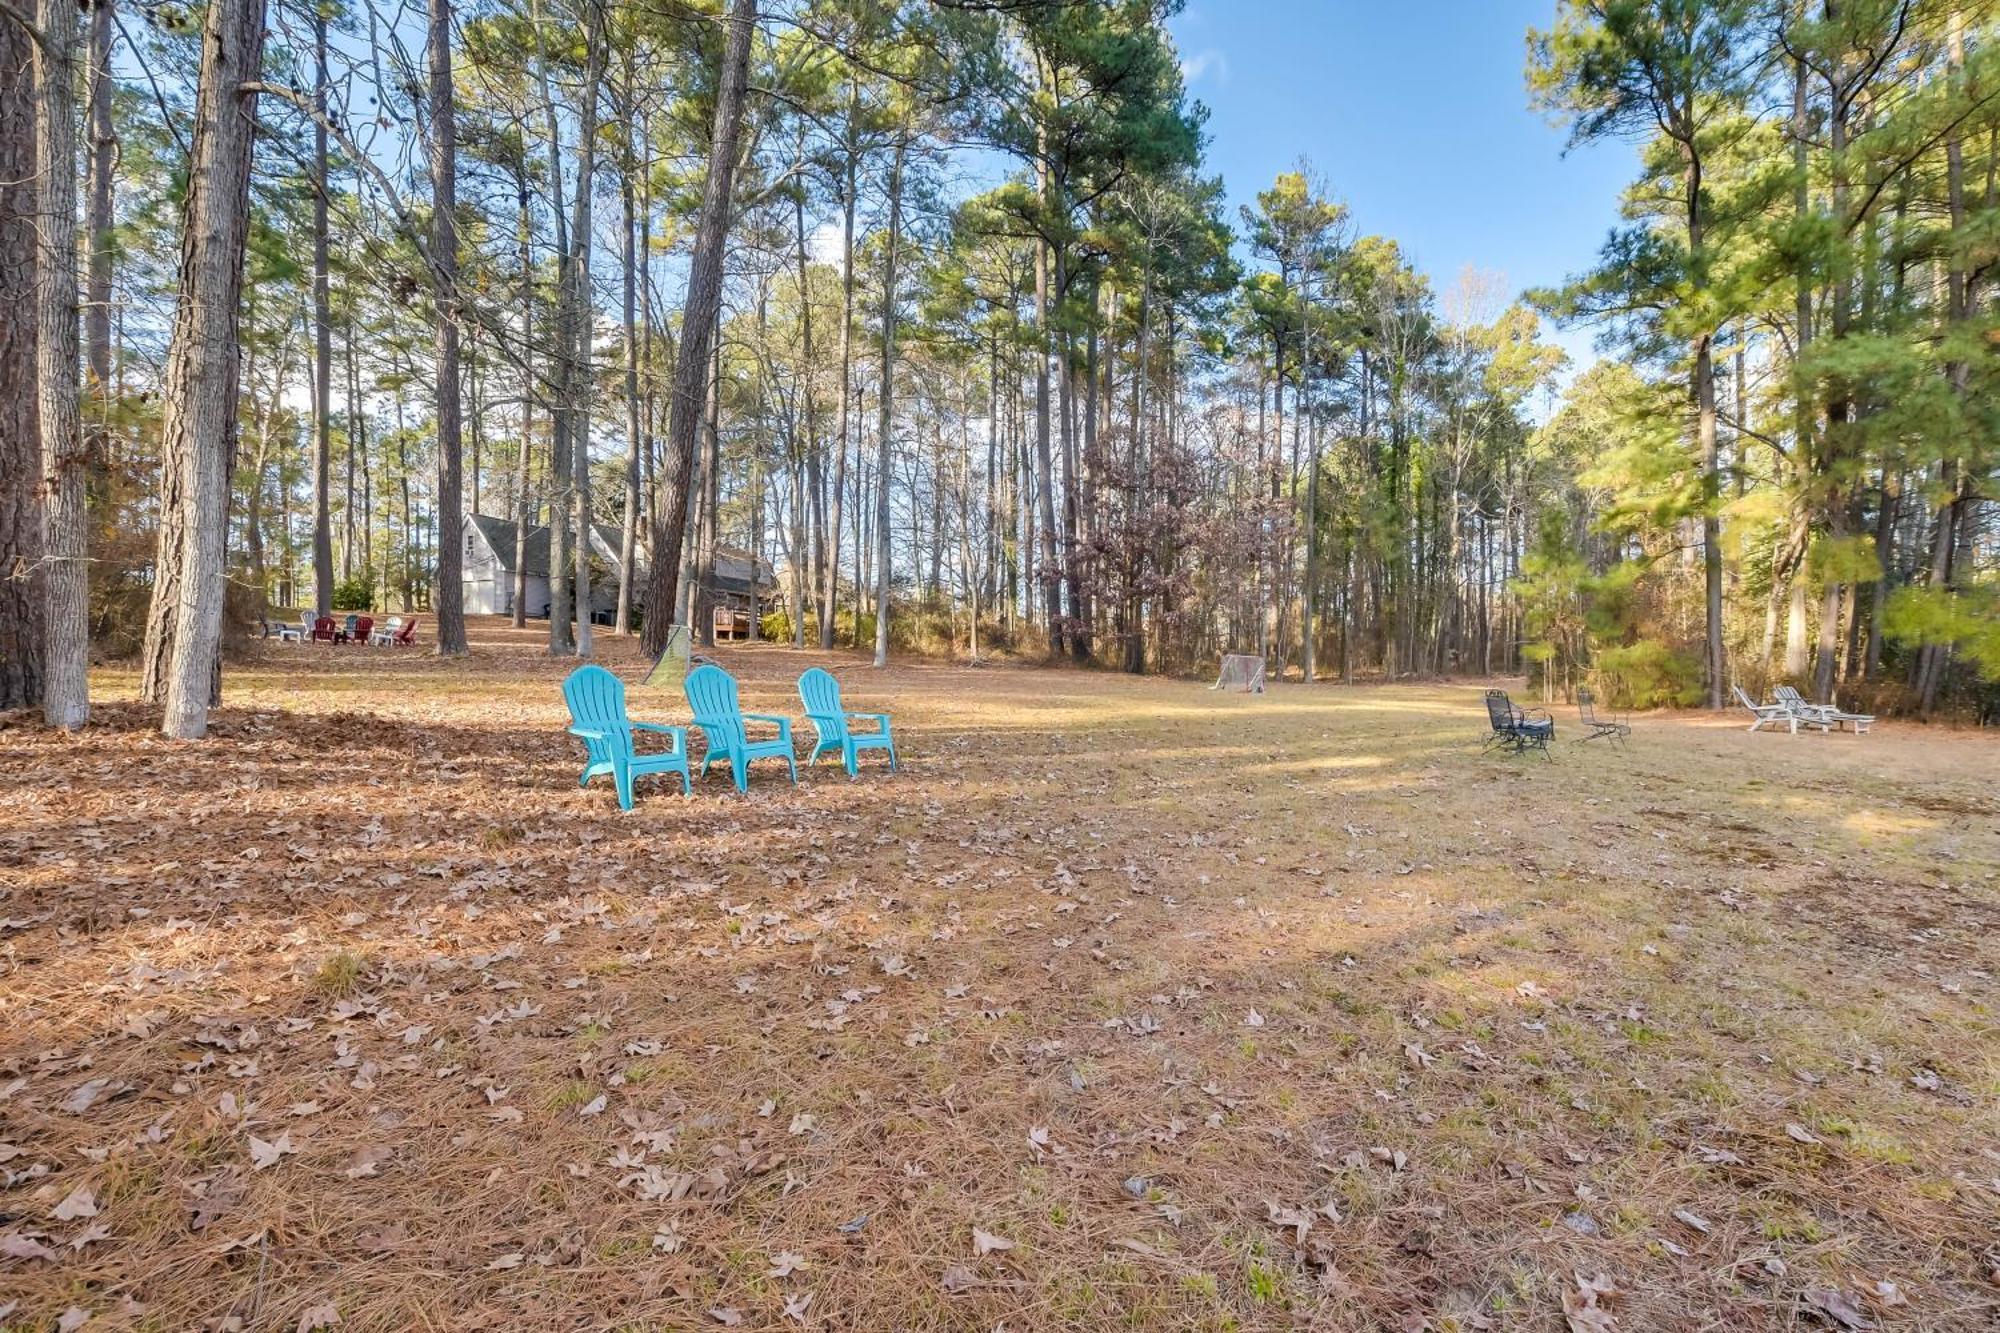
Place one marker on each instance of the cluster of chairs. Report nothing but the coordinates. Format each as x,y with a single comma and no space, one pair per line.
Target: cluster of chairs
596,700
1517,730
1792,710
395,633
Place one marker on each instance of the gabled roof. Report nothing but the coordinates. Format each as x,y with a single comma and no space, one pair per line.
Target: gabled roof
732,571
732,566
499,534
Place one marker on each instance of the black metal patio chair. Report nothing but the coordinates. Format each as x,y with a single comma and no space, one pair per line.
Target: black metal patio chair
1516,731
1611,729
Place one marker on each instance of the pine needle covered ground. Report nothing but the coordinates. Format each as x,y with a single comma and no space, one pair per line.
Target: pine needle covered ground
1124,1005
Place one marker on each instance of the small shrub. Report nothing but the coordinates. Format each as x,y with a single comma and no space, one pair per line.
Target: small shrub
354,594
1649,674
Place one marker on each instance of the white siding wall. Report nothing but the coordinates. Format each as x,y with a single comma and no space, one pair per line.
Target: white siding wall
489,589
485,594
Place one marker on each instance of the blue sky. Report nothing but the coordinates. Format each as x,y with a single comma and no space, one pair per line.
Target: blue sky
1416,114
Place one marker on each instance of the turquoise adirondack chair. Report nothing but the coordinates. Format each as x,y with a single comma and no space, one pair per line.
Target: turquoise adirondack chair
820,693
711,696
596,701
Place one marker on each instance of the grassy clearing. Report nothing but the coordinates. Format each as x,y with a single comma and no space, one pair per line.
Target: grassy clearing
1219,1012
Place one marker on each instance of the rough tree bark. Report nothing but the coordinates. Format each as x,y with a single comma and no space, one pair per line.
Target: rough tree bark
704,298
1049,574
449,596
322,541
198,422
21,610
701,599
103,150
65,512
628,539
1704,404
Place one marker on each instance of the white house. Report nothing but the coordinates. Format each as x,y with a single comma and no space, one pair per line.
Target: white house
489,568
489,573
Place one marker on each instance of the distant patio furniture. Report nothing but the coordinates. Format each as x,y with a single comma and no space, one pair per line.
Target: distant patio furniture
820,693
287,632
1767,715
1613,730
347,630
1516,731
1821,715
363,627
325,630
385,634
712,696
406,636
596,700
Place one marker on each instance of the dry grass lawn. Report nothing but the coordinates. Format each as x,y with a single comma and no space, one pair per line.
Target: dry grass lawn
1124,1005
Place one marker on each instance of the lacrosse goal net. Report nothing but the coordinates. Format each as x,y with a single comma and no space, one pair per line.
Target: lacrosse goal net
1241,671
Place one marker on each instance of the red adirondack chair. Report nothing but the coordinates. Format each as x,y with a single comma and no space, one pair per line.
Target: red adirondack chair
361,628
325,630
406,636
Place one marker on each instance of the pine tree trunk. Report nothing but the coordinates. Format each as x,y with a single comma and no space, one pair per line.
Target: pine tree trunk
561,641
1795,611
322,538
1840,408
579,383
355,434
692,508
475,412
703,301
1083,643
22,612
1711,527
861,546
628,539
702,601
449,598
814,482
198,422
103,150
1049,574
1932,658
829,596
524,503
1704,402
884,425
65,514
